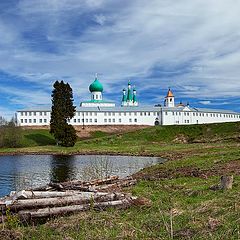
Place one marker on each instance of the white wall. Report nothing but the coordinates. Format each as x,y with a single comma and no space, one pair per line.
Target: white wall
170,117
189,117
91,118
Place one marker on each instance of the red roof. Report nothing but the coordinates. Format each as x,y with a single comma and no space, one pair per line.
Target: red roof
169,94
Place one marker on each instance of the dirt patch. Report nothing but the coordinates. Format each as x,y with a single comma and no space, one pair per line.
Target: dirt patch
8,234
181,138
87,131
111,129
229,168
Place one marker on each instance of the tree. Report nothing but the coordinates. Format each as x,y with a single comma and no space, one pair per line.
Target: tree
10,134
62,111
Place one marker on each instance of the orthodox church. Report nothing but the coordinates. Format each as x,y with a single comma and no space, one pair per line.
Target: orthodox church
96,111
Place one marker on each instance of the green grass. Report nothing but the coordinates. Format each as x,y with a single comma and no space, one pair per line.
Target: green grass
198,212
152,140
37,137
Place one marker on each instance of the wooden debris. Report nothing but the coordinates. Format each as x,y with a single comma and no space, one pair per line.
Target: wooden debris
68,197
83,197
226,183
55,211
26,194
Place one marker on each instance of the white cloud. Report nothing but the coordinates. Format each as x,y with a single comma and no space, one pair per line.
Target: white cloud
100,19
207,102
7,113
196,43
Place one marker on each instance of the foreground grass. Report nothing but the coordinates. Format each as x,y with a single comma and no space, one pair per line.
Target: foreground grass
196,211
179,188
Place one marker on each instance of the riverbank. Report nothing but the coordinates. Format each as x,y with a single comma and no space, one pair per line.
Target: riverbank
153,141
179,189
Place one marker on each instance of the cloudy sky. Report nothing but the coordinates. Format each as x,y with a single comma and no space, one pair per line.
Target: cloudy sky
192,46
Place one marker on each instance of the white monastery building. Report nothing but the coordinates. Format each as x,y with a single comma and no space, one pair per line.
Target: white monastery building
96,111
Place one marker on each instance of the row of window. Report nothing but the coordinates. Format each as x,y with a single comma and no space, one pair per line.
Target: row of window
86,120
109,120
95,113
205,114
119,120
33,121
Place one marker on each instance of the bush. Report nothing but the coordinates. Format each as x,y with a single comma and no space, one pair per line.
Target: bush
10,135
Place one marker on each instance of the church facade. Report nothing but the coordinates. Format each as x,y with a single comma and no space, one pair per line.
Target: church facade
96,111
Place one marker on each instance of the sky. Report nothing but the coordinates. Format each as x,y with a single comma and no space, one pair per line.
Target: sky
191,46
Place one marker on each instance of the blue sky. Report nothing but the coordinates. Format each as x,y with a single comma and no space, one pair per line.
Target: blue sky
192,46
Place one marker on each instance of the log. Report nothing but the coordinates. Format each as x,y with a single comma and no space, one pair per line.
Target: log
84,197
24,194
46,212
117,185
80,188
57,186
226,182
104,181
93,182
42,188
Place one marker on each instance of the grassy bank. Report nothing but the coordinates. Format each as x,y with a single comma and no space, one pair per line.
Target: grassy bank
179,189
149,141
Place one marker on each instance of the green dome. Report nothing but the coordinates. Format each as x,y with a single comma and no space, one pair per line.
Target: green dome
96,86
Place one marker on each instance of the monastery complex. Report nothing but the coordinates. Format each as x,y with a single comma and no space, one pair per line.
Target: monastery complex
96,111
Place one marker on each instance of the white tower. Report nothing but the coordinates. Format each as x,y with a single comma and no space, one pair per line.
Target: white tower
169,99
124,98
135,102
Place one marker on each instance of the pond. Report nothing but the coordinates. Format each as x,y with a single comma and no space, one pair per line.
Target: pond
28,171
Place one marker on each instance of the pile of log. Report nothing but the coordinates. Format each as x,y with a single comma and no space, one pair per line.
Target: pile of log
68,197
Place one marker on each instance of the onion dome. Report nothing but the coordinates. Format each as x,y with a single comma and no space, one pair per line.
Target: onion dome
124,96
96,86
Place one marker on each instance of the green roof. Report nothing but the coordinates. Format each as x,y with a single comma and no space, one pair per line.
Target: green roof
96,86
124,98
129,95
134,98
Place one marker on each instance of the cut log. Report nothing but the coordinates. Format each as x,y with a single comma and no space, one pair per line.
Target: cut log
80,188
69,197
117,185
93,182
41,194
57,186
46,212
226,182
104,181
84,197
42,188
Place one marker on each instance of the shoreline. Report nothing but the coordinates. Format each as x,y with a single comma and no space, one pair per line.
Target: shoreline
80,153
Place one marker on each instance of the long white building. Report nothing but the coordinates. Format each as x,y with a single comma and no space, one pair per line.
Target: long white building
96,111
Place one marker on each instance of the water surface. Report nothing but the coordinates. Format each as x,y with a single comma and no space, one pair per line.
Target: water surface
28,171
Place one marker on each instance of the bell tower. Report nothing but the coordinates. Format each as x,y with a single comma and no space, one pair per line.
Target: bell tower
169,99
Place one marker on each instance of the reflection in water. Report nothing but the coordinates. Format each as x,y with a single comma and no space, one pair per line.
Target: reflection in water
62,168
24,172
97,167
